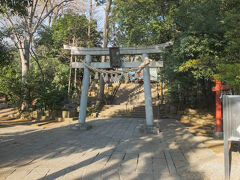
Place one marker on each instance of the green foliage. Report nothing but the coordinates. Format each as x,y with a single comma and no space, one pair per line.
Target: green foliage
229,74
214,30
6,55
185,89
200,16
50,97
73,29
232,35
11,85
142,22
48,94
14,6
47,80
195,26
199,70
70,27
199,52
45,42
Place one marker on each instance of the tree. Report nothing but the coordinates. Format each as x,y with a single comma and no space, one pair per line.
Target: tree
213,27
227,70
232,34
198,48
105,43
24,27
198,34
142,22
51,40
106,23
90,19
75,6
76,34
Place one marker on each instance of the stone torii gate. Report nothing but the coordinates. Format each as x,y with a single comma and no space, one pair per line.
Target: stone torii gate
89,52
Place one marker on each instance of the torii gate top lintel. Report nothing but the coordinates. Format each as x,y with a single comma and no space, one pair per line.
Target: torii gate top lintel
98,51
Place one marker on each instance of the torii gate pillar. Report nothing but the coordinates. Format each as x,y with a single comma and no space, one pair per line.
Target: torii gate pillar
84,94
147,93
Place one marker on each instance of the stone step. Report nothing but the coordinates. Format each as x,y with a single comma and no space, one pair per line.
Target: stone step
8,113
128,115
129,101
121,111
124,108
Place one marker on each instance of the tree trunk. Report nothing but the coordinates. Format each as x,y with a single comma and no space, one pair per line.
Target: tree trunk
75,74
70,68
24,56
89,20
106,23
105,42
24,51
69,76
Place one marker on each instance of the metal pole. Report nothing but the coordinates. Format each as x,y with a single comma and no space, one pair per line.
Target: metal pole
147,93
84,95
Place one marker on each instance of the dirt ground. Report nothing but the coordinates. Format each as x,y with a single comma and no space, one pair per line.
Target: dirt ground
203,124
10,117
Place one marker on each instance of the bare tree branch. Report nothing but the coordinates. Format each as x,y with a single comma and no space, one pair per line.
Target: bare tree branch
34,56
19,45
41,19
33,11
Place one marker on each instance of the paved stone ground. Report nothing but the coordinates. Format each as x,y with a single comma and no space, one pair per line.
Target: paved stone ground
112,149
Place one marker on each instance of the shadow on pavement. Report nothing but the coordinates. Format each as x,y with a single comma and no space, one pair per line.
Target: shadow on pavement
112,149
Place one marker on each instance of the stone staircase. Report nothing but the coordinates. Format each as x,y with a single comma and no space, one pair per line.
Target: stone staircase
8,113
130,102
9,116
126,111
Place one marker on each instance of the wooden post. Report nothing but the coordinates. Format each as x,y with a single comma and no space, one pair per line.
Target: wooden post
218,88
218,107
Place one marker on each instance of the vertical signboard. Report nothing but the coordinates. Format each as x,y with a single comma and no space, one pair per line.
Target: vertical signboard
231,125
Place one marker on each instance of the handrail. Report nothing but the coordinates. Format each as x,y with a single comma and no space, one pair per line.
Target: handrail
114,93
130,96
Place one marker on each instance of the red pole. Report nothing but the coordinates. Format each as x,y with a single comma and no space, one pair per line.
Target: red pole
218,107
